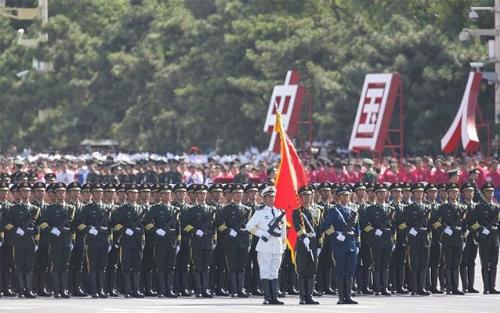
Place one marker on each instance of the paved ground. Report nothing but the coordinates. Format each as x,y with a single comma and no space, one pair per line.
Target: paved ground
368,304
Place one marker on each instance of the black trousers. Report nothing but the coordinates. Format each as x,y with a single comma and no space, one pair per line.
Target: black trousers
164,258
59,257
452,256
381,258
24,258
202,258
97,258
131,259
488,255
76,258
236,259
418,257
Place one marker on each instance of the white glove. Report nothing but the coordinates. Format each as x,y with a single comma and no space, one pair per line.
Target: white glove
318,251
55,232
177,249
1,243
313,235
20,231
485,231
36,248
232,233
340,237
160,232
448,231
129,232
378,232
413,232
307,241
109,248
393,247
458,227
93,231
199,233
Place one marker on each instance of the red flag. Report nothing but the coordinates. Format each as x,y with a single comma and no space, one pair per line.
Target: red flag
289,178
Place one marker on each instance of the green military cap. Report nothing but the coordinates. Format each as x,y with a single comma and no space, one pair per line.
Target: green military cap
165,188
121,187
155,187
24,186
305,190
227,188
59,186
488,186
417,187
145,188
325,186
430,187
215,187
251,187
380,187
237,188
358,186
74,186
110,187
38,186
201,188
467,186
132,188
4,186
344,189
396,186
180,187
50,176
452,186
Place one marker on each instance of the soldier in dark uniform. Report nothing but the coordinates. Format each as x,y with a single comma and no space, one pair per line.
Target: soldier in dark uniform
252,277
378,224
50,178
7,246
435,255
398,259
451,216
56,224
109,205
163,222
22,217
219,265
484,220
182,266
42,259
342,223
4,187
148,263
236,240
469,254
415,222
93,220
308,231
365,260
76,260
199,223
471,182
325,260
127,223
172,176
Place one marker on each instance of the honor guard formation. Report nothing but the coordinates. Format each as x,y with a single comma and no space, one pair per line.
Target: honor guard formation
171,239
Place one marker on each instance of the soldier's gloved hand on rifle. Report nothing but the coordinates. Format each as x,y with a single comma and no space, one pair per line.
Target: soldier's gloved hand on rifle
93,231
36,247
129,232
160,232
199,233
232,233
307,242
20,231
318,251
177,249
264,235
55,232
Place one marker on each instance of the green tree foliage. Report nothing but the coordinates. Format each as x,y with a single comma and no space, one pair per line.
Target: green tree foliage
164,75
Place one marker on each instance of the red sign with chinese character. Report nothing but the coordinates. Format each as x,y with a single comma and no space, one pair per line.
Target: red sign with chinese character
374,112
288,99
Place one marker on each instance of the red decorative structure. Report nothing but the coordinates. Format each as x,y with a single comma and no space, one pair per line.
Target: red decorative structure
372,127
463,126
288,99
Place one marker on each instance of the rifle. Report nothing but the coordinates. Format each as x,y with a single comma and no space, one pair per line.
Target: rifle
311,254
138,221
273,225
206,225
494,220
350,224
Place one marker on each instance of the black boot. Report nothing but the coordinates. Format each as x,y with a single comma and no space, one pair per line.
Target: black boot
185,291
493,279
377,285
365,288
421,283
385,281
149,285
273,289
29,286
113,292
348,291
266,285
162,290
449,281
442,278
241,285
170,285
78,291
137,283
302,290
220,290
401,282
56,283
464,276
309,291
205,282
455,278
394,280
64,285
198,289
93,285
485,273
21,288
233,284
126,284
102,284
434,281
472,277
413,282
341,292
8,285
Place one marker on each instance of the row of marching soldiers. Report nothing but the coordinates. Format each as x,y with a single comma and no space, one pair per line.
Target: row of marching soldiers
168,241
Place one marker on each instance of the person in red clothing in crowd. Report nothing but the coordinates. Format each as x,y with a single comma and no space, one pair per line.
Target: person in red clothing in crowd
341,172
463,173
438,173
419,172
321,172
353,175
404,172
391,174
331,172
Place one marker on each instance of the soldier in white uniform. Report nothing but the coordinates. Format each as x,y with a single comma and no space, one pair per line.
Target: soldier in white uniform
269,225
